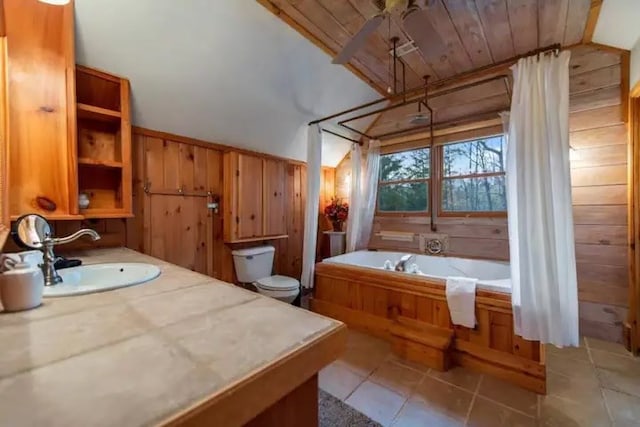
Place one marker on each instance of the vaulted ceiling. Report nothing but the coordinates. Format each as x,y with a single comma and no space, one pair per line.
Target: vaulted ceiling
224,71
475,33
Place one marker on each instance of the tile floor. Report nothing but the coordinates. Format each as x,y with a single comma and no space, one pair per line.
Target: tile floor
597,384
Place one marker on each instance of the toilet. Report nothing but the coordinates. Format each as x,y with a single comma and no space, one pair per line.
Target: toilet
254,265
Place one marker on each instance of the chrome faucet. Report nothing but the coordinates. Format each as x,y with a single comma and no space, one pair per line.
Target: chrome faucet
51,276
401,265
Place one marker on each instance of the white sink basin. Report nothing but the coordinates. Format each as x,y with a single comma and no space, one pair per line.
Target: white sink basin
87,279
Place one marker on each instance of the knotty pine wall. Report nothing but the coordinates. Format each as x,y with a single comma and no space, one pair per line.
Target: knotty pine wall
598,137
178,227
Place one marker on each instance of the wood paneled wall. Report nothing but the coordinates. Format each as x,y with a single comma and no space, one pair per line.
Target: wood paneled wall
172,221
599,177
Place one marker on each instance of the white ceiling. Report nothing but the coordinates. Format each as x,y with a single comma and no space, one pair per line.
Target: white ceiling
618,23
218,70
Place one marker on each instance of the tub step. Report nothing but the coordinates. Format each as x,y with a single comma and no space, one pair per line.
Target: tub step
421,342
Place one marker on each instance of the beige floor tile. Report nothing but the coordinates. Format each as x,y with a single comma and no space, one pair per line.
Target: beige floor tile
612,347
578,353
398,378
617,380
459,376
486,413
583,369
364,354
580,390
408,363
509,394
377,402
442,398
359,340
616,362
557,412
624,408
416,414
339,381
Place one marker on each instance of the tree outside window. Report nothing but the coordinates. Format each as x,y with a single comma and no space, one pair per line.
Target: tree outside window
472,178
404,181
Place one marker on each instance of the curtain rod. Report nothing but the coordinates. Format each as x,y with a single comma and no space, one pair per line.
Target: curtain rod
341,136
440,83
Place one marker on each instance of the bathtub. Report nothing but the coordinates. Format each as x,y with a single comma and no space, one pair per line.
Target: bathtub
410,310
491,275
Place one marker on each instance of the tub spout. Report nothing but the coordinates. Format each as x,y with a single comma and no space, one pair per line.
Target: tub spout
404,260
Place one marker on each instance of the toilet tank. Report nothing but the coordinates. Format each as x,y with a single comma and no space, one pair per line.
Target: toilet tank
253,263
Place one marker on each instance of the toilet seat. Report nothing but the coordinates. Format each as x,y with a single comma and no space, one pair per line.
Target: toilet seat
277,283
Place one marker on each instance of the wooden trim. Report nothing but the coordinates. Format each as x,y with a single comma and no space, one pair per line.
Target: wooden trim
72,126
635,91
316,41
5,188
472,214
625,71
100,73
633,171
201,143
479,175
3,28
592,20
607,48
242,400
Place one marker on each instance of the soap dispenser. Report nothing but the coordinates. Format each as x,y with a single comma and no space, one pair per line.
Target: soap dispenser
21,286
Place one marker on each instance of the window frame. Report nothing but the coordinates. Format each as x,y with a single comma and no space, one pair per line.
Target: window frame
436,180
406,181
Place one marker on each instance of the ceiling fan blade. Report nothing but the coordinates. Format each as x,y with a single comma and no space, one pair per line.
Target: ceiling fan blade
359,39
418,26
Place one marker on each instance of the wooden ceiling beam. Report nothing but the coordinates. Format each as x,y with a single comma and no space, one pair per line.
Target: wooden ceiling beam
592,20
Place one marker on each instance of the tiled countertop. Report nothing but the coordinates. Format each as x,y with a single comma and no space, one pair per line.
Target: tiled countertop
138,355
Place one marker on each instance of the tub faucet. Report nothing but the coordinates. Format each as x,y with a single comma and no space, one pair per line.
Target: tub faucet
404,260
51,276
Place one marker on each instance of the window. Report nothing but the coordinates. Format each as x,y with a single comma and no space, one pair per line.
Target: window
473,176
404,181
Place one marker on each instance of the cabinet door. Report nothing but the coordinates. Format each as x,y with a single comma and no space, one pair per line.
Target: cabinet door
274,198
249,194
41,93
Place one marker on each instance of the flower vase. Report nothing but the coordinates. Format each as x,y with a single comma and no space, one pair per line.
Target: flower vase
337,225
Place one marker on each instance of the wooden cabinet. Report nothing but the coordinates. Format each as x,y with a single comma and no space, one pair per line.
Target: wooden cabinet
41,108
254,198
274,202
69,129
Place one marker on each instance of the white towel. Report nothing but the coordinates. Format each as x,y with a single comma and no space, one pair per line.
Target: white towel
461,298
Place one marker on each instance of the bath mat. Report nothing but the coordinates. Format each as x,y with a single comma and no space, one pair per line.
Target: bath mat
335,413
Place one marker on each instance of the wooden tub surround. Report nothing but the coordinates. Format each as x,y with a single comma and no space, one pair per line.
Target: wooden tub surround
411,312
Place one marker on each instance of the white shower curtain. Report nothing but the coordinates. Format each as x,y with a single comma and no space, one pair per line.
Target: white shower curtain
314,163
355,198
369,193
543,265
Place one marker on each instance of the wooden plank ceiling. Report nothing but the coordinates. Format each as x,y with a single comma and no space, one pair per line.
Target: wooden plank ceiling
476,33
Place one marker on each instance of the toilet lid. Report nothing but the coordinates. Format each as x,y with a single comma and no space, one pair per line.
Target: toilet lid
278,283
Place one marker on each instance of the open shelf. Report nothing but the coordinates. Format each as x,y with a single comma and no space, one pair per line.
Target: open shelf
104,143
87,161
91,112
